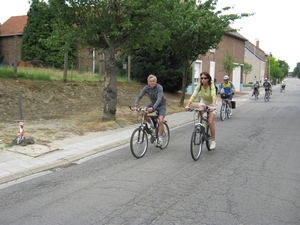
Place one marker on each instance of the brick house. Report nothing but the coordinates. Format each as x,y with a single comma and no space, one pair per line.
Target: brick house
234,43
10,33
12,30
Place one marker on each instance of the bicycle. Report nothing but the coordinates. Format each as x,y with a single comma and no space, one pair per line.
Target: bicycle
267,95
139,137
225,110
201,133
282,88
255,93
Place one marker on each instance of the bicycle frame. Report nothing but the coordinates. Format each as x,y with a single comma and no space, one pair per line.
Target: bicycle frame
201,133
139,137
224,111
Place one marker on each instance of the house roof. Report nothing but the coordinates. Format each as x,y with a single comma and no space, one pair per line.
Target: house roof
255,50
13,26
236,35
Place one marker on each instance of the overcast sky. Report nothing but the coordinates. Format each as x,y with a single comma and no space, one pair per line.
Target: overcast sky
275,24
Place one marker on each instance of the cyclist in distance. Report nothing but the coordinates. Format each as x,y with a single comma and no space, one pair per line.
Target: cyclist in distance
158,102
227,87
208,98
283,84
267,85
256,87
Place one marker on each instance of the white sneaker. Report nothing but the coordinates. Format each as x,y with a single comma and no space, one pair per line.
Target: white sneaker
212,145
159,143
231,112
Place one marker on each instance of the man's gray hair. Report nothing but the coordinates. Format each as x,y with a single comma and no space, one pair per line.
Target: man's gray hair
151,76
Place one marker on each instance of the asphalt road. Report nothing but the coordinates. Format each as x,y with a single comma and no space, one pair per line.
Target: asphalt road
252,177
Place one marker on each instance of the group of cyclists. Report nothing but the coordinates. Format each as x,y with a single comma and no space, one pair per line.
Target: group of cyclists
207,89
267,85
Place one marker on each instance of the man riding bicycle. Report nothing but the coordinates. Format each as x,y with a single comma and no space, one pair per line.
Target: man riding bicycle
228,88
256,87
158,102
267,85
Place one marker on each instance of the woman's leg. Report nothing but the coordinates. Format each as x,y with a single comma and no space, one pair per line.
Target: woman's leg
211,124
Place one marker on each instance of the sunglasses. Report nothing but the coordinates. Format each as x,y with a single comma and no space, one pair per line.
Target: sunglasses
204,78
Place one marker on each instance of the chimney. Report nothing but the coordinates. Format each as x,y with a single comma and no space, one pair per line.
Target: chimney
257,43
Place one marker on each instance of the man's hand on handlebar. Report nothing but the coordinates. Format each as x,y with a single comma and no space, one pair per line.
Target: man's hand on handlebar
150,110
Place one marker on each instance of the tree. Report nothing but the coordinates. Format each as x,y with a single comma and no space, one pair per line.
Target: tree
195,30
38,27
162,63
46,37
275,71
247,68
114,26
284,67
229,63
63,37
296,71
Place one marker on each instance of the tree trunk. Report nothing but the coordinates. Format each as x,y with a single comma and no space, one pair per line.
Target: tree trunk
110,86
15,57
66,56
183,87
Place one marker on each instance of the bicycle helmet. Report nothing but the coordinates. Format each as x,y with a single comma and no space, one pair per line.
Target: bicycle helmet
226,77
266,78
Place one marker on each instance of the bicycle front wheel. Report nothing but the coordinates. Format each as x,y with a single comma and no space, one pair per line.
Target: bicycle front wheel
208,136
223,112
166,136
139,143
196,144
266,97
228,111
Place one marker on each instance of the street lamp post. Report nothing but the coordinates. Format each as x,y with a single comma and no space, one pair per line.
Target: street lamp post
270,55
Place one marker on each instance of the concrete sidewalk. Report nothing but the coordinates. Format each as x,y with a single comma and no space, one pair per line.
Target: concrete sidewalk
21,161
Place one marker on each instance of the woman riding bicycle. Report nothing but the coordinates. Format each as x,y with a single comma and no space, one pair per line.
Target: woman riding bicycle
208,98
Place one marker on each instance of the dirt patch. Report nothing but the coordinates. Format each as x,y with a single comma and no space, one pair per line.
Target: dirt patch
56,110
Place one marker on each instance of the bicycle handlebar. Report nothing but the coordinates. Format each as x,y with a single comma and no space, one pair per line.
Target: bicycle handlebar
207,109
231,93
143,110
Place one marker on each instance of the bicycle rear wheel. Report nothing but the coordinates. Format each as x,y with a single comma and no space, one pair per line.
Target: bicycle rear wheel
196,144
222,112
139,143
166,136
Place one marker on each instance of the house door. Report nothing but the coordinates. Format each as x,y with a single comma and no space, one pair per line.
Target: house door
236,78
